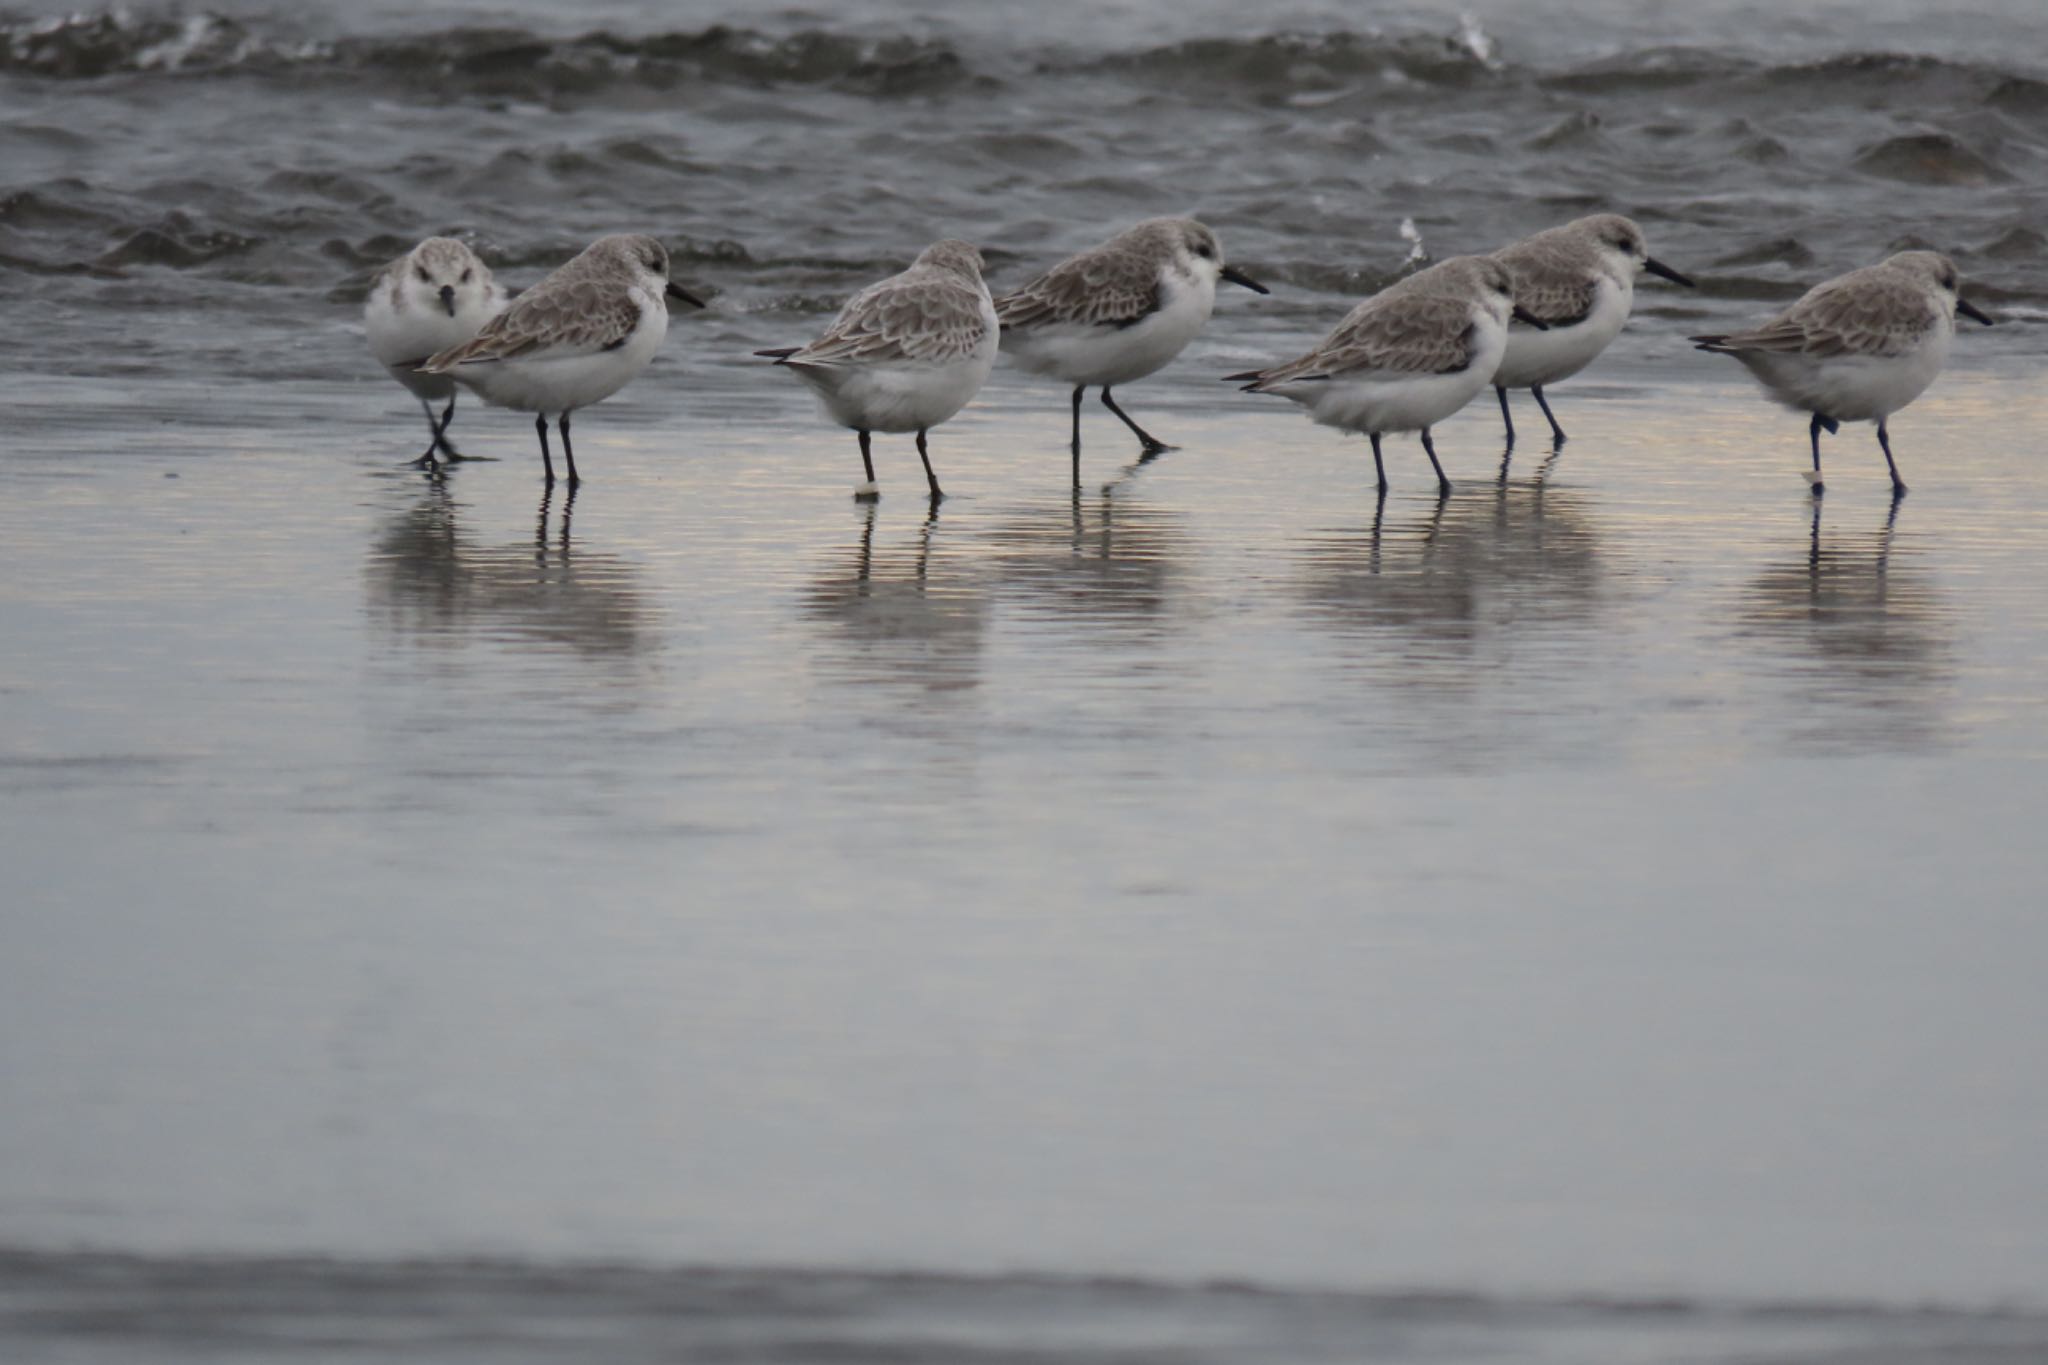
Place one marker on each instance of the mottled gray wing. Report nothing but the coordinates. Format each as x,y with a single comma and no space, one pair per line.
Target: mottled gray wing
1553,291
1104,288
1866,312
1401,334
570,317
930,317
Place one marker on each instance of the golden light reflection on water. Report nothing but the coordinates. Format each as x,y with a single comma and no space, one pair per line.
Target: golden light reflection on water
1861,635
1449,587
430,584
1090,559
909,613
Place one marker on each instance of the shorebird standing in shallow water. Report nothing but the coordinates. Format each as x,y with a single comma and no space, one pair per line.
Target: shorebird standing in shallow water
1406,358
1858,347
574,339
904,354
1580,280
1117,312
435,296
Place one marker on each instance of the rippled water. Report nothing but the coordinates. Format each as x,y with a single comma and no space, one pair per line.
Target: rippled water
236,173
1213,915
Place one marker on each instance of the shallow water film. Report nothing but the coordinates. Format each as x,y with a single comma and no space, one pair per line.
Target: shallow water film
1213,913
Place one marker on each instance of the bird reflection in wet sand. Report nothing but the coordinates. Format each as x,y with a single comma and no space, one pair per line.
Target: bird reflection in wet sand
430,583
905,614
1091,557
1479,611
1543,470
1864,635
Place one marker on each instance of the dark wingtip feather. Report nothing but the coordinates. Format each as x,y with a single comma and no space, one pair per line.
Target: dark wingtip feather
780,356
1252,375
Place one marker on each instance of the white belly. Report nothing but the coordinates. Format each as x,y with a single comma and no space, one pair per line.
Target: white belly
399,340
1084,353
1377,401
1851,388
903,395
1536,357
899,395
563,383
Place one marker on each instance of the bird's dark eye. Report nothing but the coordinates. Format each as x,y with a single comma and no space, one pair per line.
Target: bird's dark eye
465,276
1204,252
421,271
1948,281
657,265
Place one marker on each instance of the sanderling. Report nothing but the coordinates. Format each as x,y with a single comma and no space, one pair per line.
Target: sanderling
1408,357
1580,279
1858,347
904,354
574,339
1117,312
435,296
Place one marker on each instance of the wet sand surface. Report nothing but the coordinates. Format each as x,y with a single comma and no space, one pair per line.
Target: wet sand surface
1623,881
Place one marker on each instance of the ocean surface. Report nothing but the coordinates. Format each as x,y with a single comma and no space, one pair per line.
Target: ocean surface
1213,914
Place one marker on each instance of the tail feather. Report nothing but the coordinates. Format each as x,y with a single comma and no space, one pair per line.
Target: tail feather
1269,381
1716,344
443,361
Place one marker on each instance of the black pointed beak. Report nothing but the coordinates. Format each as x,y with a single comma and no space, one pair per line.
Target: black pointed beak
448,298
1522,314
1970,310
1236,276
676,291
1657,267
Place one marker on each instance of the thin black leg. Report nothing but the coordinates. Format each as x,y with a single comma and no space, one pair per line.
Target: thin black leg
1152,444
869,492
1557,435
1507,420
441,432
1813,432
1884,439
1443,485
426,461
568,453
1079,389
540,424
929,477
1379,465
